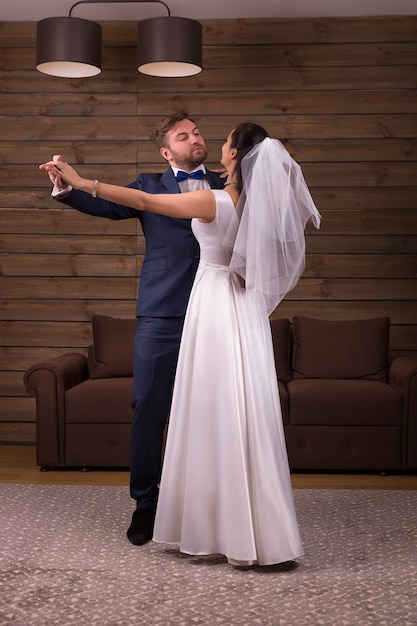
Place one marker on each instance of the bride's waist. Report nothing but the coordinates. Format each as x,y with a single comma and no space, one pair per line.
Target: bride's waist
216,266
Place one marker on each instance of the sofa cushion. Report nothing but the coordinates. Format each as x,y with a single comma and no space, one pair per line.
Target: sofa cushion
281,339
344,403
113,346
283,397
100,402
341,349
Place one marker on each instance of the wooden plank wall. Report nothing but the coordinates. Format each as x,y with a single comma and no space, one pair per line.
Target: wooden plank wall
341,93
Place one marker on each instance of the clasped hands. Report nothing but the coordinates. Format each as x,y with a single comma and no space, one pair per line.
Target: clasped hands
61,174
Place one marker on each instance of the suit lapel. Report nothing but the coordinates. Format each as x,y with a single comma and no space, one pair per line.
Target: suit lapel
214,180
169,181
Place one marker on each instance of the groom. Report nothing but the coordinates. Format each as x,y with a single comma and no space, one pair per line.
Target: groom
171,260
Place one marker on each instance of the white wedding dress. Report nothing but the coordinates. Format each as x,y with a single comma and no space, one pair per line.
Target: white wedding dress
225,486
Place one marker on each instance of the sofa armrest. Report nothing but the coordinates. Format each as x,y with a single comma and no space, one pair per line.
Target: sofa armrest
48,381
403,378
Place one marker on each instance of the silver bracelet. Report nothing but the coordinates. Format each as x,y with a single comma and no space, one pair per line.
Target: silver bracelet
94,190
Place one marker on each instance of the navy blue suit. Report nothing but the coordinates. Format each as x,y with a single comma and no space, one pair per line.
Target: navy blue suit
171,260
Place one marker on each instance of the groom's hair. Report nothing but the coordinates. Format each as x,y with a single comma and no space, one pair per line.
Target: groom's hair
168,124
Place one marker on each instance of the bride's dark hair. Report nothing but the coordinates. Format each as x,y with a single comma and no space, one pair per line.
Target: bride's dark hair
244,138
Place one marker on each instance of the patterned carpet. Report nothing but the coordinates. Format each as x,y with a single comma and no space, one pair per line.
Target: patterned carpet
64,560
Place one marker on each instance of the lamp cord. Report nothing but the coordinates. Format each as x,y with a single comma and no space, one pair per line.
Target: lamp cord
103,1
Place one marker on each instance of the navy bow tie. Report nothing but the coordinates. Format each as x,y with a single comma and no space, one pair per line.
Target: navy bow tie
199,175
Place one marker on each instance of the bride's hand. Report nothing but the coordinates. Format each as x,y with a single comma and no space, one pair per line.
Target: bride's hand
59,170
52,172
221,171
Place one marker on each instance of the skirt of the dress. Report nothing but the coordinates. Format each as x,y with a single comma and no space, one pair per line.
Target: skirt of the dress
225,486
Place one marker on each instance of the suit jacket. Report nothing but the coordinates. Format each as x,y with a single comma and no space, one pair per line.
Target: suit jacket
172,252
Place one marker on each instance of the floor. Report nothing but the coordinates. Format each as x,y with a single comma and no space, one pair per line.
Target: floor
18,465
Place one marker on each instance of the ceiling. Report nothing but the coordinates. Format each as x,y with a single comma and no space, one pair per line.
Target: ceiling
35,10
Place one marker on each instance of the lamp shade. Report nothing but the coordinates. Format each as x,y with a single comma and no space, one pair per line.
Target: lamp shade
170,46
69,47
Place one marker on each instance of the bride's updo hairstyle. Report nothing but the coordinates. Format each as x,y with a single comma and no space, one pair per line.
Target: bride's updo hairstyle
244,137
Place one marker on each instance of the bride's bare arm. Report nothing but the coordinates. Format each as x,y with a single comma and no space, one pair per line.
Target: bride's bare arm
200,204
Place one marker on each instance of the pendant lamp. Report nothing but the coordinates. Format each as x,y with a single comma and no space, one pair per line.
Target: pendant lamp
170,46
70,47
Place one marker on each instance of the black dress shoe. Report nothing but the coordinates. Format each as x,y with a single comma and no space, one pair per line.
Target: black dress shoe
141,528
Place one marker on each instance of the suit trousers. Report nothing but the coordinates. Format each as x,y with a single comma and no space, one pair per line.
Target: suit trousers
157,341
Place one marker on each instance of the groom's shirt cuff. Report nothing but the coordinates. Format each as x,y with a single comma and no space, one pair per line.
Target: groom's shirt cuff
58,193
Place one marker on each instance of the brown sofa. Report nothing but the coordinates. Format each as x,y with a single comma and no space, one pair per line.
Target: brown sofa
346,405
